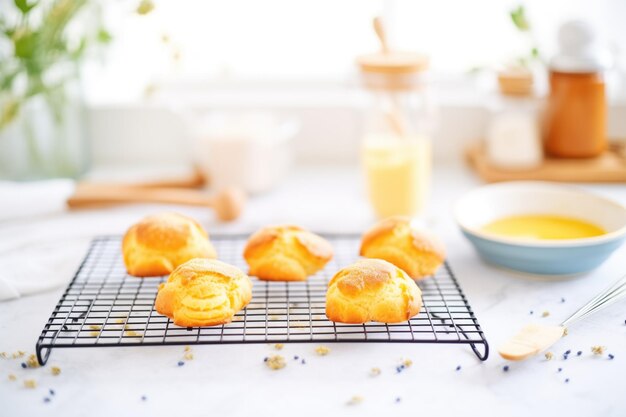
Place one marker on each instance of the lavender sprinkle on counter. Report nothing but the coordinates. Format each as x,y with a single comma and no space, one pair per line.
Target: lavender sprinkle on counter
398,399
531,312
52,392
458,368
559,370
303,362
568,351
24,365
144,398
505,368
265,359
611,356
46,400
566,380
181,363
580,352
295,358
562,299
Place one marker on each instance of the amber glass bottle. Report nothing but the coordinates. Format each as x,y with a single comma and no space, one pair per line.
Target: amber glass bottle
575,119
576,115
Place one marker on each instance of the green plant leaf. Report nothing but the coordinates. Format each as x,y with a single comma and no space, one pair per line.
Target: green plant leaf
77,53
104,36
145,7
9,111
534,52
24,6
518,16
24,43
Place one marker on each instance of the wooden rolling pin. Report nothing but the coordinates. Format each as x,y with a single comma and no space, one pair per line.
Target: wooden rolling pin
228,203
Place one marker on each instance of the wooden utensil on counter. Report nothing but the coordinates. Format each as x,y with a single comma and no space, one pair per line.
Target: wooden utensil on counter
536,338
228,203
195,179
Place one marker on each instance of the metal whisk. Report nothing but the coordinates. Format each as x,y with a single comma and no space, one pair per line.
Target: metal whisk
607,297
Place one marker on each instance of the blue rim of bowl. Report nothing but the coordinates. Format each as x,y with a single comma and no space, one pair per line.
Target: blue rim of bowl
544,243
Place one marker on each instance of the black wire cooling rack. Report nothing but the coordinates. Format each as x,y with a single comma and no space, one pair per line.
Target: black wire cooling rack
104,306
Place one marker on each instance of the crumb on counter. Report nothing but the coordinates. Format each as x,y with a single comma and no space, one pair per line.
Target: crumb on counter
357,399
4,355
407,362
131,333
597,350
94,334
95,327
322,350
375,371
188,356
549,356
565,331
32,361
545,313
18,354
55,370
30,383
275,362
12,377
187,348
279,346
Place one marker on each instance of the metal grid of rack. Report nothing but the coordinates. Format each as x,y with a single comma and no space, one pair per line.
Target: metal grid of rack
104,306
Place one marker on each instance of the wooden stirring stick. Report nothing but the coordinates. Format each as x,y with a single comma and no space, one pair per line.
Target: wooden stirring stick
379,28
536,338
394,117
227,203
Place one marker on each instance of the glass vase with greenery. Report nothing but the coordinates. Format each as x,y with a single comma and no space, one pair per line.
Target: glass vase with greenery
42,133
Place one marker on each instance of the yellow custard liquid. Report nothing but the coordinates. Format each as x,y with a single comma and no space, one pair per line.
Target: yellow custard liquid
543,227
398,174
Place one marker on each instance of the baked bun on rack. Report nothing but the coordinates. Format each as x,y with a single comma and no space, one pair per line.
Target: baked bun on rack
204,292
418,253
159,243
286,253
372,290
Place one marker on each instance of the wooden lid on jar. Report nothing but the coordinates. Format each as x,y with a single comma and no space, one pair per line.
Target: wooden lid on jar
515,82
392,62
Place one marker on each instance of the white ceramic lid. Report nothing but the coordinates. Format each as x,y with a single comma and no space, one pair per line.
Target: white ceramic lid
578,49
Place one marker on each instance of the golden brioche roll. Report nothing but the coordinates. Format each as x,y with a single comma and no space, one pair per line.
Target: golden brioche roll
286,253
393,239
372,290
159,243
203,292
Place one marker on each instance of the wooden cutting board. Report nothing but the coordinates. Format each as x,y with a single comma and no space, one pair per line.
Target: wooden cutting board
610,167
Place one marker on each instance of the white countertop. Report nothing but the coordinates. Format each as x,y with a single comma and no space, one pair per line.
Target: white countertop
233,380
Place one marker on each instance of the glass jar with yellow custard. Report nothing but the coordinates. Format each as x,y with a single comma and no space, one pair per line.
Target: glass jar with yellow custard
396,149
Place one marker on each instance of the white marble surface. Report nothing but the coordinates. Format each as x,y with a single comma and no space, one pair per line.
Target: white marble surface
232,380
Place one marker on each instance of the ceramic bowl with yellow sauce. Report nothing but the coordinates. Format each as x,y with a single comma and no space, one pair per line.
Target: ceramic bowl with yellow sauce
540,227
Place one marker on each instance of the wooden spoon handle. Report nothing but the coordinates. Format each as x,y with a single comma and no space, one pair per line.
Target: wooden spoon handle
107,195
194,180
